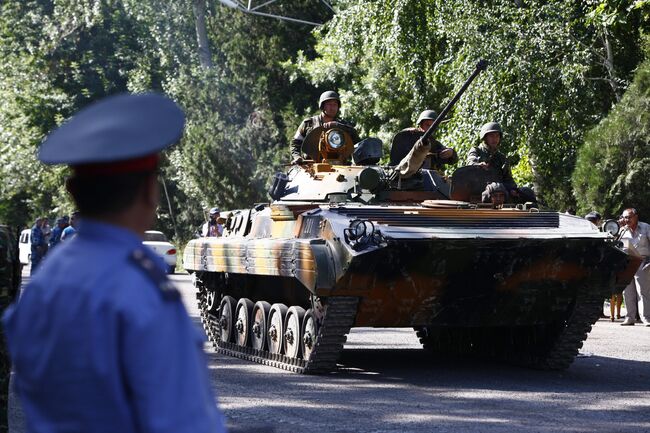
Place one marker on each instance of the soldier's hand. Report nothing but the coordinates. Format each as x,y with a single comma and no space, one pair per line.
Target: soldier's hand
446,154
297,160
484,165
329,125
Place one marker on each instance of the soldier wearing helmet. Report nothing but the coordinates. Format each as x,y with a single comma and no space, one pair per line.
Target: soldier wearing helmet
329,104
406,139
487,155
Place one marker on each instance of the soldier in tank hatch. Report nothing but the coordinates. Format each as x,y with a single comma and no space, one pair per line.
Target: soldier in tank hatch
487,155
330,105
100,339
403,141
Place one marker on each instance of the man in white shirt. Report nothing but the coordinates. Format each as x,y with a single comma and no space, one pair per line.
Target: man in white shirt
636,236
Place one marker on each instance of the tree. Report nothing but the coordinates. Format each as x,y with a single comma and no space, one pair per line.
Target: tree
395,57
613,166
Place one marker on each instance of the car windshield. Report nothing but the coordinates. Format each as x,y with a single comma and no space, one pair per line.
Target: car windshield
155,237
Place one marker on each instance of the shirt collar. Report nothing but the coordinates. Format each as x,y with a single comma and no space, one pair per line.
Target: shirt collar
90,228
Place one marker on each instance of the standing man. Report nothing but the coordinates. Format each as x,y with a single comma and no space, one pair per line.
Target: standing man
39,246
69,232
636,236
100,340
487,155
439,156
212,226
9,286
57,232
330,105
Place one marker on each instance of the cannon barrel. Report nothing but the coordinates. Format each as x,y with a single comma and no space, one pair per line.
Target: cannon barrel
412,162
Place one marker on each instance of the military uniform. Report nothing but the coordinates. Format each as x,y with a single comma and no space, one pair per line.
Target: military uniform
312,123
497,160
100,339
399,149
9,286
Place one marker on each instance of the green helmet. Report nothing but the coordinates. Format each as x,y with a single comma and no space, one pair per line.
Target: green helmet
327,96
490,127
426,115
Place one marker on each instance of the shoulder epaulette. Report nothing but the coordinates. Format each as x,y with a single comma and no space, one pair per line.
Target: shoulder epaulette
141,259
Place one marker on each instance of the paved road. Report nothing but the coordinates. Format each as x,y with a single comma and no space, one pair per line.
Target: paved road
386,384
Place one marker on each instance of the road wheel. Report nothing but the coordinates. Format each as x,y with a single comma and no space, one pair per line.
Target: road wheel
309,334
243,315
211,301
259,323
276,327
226,321
292,328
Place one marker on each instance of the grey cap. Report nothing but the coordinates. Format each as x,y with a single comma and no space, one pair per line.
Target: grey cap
490,127
214,211
117,128
593,216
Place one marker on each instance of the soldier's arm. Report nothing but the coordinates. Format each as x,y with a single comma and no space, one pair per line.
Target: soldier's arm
473,157
296,143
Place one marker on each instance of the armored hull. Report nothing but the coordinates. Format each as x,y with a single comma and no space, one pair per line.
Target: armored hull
288,280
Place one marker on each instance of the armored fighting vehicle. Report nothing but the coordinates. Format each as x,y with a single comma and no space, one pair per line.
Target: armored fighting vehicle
360,245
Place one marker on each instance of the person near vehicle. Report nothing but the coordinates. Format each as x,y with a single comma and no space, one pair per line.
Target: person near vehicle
494,193
100,340
39,246
57,231
9,286
212,227
487,155
439,155
70,231
636,236
330,105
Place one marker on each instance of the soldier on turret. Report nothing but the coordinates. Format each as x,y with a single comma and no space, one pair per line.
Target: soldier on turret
487,155
404,140
330,104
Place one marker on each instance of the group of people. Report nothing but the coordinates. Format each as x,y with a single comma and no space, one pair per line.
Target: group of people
635,236
486,154
43,237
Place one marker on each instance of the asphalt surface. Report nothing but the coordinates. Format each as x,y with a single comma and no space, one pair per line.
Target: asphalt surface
385,383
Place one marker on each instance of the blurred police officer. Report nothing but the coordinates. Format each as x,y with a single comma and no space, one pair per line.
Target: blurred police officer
103,343
69,232
38,244
57,231
330,105
404,140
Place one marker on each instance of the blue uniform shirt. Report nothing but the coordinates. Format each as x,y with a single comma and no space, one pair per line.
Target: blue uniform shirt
37,237
101,342
68,233
55,237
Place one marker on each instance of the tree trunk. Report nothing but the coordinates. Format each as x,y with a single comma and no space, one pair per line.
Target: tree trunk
205,57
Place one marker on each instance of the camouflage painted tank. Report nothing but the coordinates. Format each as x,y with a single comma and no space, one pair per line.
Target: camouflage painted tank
362,245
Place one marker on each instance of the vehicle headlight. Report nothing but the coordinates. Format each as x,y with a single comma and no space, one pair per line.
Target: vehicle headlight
335,139
610,226
360,234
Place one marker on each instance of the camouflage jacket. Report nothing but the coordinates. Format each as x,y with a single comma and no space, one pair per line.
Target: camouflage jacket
409,136
496,160
314,122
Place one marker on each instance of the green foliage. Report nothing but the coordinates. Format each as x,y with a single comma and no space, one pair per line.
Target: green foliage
546,83
612,170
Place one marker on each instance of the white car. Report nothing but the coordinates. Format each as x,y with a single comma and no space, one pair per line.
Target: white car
158,242
25,246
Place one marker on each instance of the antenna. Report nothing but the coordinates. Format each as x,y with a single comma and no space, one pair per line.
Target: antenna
250,8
